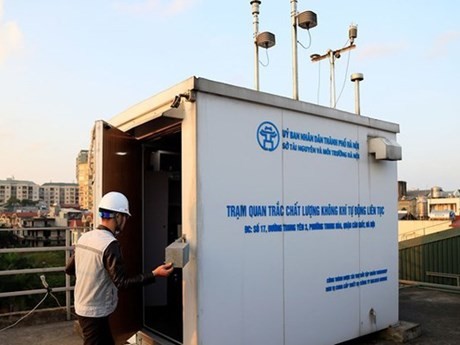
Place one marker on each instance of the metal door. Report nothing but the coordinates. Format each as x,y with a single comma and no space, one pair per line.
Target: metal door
118,167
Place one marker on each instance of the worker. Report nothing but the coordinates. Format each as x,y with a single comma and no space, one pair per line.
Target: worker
98,266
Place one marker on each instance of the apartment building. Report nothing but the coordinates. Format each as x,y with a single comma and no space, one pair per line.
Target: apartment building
423,212
443,203
83,180
428,204
60,194
21,190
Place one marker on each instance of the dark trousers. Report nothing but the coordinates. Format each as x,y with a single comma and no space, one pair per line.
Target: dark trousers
96,330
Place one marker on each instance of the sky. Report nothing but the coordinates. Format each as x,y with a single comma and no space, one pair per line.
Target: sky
66,64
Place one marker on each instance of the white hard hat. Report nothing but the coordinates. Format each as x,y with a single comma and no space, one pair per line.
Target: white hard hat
116,202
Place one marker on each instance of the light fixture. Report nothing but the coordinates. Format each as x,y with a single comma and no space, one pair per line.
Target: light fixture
307,20
265,40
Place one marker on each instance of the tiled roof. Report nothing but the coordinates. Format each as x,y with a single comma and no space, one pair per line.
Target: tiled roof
23,214
16,182
417,193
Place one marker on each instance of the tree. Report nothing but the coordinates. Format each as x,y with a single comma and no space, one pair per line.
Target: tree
12,202
17,282
7,239
27,202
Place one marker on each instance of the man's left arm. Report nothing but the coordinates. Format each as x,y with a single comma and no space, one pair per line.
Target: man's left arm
113,262
70,266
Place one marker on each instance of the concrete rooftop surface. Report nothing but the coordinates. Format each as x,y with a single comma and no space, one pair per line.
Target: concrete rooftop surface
437,312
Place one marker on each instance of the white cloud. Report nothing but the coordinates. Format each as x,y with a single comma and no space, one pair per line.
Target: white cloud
11,38
158,7
443,42
380,50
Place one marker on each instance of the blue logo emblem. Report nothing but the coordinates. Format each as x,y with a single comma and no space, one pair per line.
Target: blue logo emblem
268,136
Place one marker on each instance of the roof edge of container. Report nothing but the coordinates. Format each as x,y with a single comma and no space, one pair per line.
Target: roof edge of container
156,105
237,92
151,107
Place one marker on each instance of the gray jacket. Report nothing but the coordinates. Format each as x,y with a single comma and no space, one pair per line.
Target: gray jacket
98,267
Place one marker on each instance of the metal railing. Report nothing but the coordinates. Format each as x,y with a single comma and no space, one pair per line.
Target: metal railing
454,276
421,231
71,234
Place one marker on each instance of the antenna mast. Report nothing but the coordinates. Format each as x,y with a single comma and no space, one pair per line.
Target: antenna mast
295,73
255,23
305,20
333,55
264,40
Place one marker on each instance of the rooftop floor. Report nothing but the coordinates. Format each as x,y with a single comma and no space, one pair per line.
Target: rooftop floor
438,313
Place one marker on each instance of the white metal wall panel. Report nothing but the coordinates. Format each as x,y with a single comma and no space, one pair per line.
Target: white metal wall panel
290,238
189,225
320,179
240,274
378,248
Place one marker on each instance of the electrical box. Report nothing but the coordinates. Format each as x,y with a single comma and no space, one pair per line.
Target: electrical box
177,253
291,224
385,149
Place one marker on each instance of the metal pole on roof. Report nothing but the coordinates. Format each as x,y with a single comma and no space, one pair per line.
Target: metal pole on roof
332,78
357,78
255,21
295,75
305,20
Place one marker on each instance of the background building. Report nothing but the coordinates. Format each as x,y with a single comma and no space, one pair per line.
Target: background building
83,180
422,212
21,190
427,204
443,205
62,194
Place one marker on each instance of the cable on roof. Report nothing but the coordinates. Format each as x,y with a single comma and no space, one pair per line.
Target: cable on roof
22,318
49,292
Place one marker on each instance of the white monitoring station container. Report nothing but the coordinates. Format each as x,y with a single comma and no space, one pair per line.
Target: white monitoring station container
289,210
